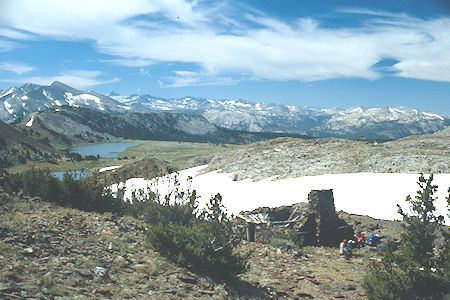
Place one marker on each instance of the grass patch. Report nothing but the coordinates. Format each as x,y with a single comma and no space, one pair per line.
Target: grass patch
52,287
175,153
13,221
7,249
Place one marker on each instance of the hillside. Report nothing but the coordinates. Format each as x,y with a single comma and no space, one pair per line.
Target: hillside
147,168
290,158
15,147
69,125
48,251
444,132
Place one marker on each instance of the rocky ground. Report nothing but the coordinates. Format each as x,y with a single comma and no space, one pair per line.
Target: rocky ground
290,157
50,252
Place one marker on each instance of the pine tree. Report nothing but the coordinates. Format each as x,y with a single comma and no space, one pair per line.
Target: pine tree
420,268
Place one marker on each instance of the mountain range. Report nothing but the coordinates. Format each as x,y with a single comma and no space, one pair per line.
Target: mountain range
370,123
19,102
65,126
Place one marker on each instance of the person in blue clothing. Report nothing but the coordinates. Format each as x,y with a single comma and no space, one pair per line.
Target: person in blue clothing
373,240
345,248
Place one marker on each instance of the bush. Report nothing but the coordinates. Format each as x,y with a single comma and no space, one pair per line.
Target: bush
204,241
420,269
80,194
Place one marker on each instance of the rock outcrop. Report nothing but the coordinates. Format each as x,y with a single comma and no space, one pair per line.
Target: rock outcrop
290,157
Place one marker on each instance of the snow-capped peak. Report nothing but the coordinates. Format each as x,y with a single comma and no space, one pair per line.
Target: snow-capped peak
8,92
432,115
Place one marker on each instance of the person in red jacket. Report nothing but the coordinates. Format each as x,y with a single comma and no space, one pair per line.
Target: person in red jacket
360,240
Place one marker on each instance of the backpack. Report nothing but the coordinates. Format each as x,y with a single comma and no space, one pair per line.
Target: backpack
372,238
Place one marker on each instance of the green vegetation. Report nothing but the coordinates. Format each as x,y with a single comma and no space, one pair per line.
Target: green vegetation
71,192
204,241
176,154
420,269
10,157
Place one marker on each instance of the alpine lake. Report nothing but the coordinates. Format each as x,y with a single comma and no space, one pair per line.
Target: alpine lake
109,150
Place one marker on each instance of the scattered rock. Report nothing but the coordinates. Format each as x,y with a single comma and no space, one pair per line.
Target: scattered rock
28,251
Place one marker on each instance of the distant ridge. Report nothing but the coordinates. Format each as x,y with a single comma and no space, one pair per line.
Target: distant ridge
19,102
383,123
64,126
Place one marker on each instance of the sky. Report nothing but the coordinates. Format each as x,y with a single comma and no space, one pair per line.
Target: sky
317,53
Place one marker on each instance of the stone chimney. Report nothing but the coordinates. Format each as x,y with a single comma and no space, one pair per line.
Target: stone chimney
327,221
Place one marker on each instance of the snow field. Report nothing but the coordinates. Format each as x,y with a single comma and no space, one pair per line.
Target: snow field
110,168
372,194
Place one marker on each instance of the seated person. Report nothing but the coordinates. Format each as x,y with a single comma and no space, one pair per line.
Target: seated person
345,249
359,237
373,240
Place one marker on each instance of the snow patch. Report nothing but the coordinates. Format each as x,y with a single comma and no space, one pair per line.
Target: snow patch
8,107
25,97
119,98
83,97
356,110
108,168
58,103
431,115
292,108
372,194
47,95
30,122
8,92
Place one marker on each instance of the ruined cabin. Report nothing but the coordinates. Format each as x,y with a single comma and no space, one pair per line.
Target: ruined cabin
316,220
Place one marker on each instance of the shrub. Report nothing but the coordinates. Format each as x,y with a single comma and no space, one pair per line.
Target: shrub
80,194
204,241
420,268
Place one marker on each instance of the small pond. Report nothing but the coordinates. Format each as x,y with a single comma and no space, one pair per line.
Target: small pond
77,174
104,150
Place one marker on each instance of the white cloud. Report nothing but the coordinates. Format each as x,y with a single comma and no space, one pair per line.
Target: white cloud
7,46
129,62
74,78
225,44
15,67
189,78
15,34
144,72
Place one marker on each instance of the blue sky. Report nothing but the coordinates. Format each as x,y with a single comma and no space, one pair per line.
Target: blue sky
309,53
